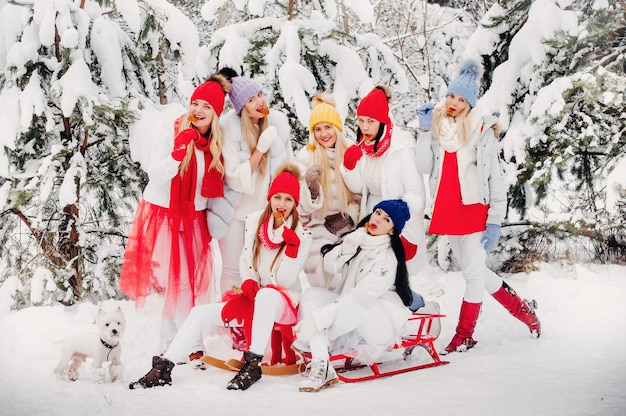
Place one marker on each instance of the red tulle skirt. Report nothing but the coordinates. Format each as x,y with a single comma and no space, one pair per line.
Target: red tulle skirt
168,254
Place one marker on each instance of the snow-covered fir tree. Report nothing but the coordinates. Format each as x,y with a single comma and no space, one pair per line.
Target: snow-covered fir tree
71,82
559,87
298,48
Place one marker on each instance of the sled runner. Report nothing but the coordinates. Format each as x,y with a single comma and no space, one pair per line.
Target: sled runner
283,360
346,365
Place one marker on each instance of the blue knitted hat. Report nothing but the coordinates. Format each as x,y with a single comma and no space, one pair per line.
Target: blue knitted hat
466,85
241,90
398,211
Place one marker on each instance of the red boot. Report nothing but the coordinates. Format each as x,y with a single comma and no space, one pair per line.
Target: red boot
521,309
463,340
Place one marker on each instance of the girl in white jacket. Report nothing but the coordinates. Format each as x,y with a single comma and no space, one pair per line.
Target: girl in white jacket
168,247
382,166
368,310
460,154
327,207
276,246
257,141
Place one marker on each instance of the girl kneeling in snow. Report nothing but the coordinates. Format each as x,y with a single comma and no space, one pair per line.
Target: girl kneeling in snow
275,248
368,310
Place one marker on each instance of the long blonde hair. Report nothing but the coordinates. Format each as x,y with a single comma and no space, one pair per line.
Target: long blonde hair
215,133
320,157
251,132
462,121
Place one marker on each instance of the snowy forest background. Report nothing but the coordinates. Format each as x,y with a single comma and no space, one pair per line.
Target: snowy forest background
83,82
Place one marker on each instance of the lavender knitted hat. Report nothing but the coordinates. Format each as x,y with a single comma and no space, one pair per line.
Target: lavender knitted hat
466,84
241,90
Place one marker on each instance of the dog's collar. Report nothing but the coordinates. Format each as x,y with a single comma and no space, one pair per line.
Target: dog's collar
106,344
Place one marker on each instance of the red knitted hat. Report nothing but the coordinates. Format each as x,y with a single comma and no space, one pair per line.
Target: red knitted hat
375,105
285,182
211,92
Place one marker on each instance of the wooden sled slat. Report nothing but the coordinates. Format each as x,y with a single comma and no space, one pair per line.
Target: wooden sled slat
266,369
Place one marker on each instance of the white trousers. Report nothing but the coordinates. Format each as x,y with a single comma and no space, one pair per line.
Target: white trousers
231,247
269,307
471,255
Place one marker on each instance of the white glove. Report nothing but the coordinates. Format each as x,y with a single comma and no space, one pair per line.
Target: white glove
266,139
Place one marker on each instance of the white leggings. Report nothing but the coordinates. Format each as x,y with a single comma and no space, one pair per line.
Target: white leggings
471,256
231,246
269,307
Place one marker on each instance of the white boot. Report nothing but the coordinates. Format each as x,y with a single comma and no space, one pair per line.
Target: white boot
322,375
431,307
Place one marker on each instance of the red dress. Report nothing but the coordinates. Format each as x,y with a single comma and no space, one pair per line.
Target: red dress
450,215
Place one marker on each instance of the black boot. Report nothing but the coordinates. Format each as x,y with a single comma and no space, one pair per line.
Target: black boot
249,374
159,375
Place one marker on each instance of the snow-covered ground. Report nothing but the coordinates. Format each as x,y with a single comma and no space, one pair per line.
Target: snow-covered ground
577,367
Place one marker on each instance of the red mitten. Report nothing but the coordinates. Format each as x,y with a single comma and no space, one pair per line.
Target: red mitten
239,308
181,142
249,288
410,249
292,242
353,154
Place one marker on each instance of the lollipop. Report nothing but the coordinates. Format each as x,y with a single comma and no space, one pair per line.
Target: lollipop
264,110
192,118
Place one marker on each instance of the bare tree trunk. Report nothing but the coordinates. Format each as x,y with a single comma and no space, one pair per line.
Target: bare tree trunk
160,72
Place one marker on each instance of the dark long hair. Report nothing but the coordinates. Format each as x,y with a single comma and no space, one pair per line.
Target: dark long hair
379,135
402,275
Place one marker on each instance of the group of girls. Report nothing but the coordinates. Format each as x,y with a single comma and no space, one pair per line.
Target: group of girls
349,216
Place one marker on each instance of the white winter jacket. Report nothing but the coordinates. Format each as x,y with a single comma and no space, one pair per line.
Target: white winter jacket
399,179
286,270
366,277
239,176
491,187
162,169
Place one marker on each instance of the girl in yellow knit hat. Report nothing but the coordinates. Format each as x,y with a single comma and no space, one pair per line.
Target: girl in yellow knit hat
327,206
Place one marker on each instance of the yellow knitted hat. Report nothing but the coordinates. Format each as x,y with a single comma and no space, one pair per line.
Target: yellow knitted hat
324,111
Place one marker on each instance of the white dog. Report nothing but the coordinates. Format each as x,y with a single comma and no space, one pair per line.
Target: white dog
103,346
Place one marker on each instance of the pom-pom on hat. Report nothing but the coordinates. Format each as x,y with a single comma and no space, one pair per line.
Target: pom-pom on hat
287,180
375,104
324,111
466,85
398,211
241,90
213,91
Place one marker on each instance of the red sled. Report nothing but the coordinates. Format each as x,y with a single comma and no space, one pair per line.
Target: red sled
346,364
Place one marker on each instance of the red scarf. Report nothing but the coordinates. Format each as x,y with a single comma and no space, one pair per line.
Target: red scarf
183,190
264,237
383,144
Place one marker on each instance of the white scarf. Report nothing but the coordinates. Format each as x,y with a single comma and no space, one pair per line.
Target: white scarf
368,244
448,137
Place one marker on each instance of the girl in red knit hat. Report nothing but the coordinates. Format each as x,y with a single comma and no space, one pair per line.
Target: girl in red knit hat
275,248
327,207
382,166
458,149
168,249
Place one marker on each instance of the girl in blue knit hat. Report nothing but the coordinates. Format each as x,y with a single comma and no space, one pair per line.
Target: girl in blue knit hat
458,149
368,308
256,142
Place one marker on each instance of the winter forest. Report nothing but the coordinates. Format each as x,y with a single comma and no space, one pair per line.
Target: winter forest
83,84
